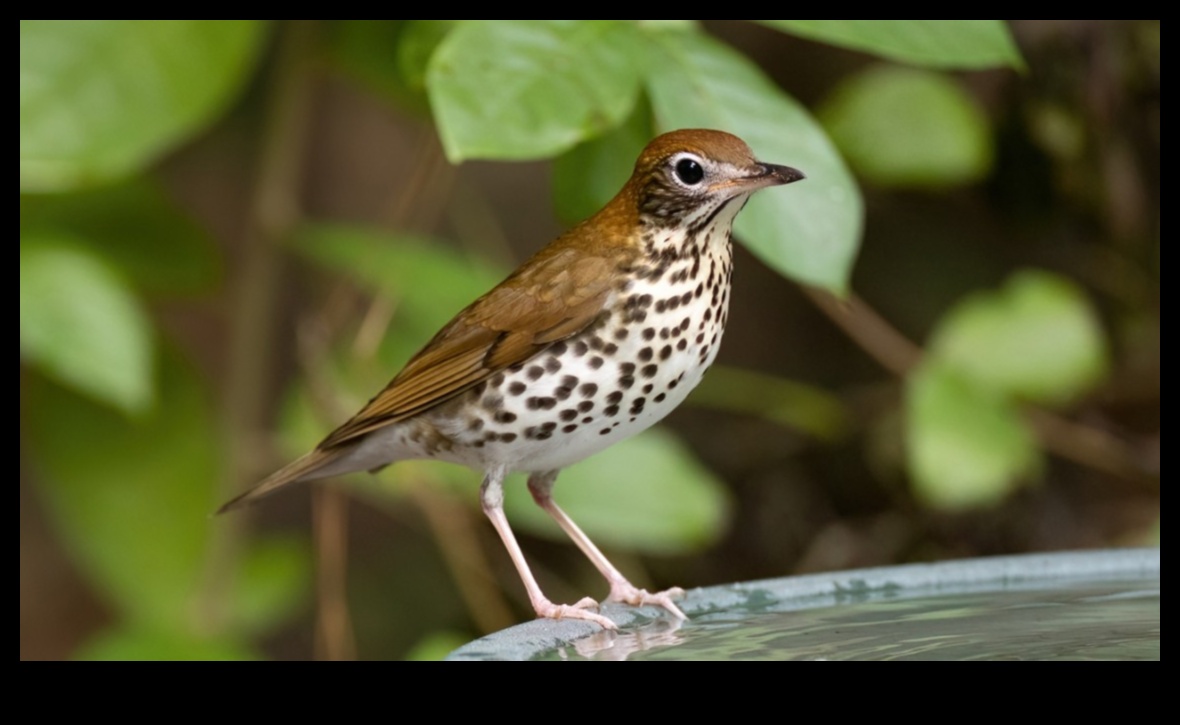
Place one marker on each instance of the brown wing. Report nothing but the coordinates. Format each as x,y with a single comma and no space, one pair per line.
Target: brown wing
556,295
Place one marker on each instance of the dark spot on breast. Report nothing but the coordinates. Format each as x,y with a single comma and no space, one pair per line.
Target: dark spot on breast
661,307
682,345
493,402
626,382
569,429
685,324
610,349
568,415
553,365
665,333
476,424
588,390
646,354
558,348
649,334
661,398
497,380
666,352
530,432
588,420
504,416
686,298
517,388
563,392
544,436
649,371
701,339
507,437
615,398
596,344
586,406
604,432
627,368
549,427
595,362
535,372
644,302
621,334
708,315
581,348
700,290
611,412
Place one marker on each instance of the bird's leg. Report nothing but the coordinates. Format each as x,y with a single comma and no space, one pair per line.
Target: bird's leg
491,495
621,590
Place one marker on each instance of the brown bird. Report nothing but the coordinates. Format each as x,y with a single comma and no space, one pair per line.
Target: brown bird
596,338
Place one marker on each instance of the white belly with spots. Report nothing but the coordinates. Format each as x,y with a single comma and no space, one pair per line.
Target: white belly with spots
602,386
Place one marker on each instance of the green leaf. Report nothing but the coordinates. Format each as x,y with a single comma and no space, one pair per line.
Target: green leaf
101,99
131,499
588,176
809,231
645,494
900,127
967,447
802,407
138,645
436,646
81,324
529,89
274,579
970,44
135,227
1037,338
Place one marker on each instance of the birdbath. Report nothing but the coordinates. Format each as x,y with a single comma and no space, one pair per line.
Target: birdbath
1074,606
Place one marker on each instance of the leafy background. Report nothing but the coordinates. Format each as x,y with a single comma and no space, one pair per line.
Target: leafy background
944,344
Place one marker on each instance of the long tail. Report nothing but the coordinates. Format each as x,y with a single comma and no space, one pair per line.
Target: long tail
302,469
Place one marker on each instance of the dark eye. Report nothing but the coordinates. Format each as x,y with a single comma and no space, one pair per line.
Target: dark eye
689,172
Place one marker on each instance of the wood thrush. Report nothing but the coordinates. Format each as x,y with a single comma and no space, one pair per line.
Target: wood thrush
597,337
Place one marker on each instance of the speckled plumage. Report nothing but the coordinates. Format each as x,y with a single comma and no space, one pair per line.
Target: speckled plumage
596,338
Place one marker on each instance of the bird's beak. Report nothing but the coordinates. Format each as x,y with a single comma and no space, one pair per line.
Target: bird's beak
774,175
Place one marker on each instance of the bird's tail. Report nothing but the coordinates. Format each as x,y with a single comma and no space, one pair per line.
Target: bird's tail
302,469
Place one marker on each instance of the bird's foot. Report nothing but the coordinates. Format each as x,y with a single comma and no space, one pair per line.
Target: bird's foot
548,610
626,593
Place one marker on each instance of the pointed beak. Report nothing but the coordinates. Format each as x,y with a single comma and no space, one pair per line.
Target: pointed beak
774,175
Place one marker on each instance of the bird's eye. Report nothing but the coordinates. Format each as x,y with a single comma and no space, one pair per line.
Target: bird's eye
689,172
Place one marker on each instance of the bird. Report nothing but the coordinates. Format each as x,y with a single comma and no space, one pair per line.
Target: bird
594,339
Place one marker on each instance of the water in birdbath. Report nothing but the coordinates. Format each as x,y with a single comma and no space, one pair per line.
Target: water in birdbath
1094,606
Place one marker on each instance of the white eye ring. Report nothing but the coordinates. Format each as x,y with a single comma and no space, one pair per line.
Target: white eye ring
688,170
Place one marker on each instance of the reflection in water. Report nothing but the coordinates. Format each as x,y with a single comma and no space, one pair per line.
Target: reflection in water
1118,620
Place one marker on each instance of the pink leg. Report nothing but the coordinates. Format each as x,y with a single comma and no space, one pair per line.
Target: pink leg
492,498
621,590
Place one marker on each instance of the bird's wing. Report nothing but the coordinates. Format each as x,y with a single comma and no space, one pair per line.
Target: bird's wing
556,295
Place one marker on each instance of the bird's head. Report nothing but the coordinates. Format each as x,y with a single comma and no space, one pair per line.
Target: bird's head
686,178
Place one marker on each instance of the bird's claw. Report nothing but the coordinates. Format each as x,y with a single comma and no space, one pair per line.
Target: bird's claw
581,610
625,593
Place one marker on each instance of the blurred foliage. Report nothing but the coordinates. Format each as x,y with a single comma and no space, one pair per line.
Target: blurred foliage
138,137
908,128
1037,339
81,323
101,101
936,43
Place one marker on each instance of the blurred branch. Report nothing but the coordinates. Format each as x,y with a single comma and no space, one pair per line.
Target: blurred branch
273,213
334,639
881,340
1068,439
